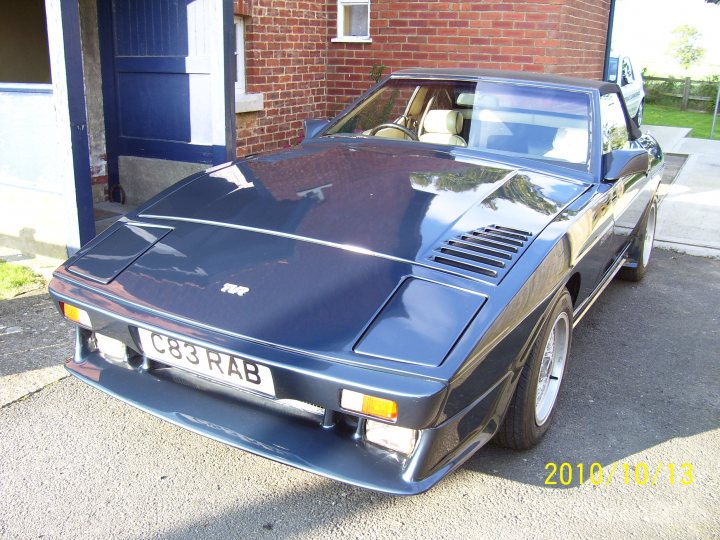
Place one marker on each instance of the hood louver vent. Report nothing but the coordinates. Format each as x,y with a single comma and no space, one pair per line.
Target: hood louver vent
489,251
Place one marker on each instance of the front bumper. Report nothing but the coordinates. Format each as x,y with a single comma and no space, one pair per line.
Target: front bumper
331,447
299,440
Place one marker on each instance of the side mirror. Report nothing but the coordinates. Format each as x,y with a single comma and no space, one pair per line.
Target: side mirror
620,163
314,126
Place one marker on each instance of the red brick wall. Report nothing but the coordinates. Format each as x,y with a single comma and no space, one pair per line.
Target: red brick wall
243,7
555,36
286,57
582,37
304,75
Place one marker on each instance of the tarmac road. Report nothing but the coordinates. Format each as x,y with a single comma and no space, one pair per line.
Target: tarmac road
32,335
642,388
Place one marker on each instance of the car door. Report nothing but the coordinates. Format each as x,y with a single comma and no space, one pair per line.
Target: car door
628,195
598,247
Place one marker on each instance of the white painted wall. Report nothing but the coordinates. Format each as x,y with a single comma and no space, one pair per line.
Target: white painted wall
38,210
31,197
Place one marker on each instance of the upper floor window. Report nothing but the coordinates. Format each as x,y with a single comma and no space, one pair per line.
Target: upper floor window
353,20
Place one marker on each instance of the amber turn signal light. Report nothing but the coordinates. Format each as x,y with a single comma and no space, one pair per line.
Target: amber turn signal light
75,314
370,405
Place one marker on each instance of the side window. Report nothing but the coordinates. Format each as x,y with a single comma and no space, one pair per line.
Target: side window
614,124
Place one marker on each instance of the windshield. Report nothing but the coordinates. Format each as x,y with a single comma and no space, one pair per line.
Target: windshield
535,122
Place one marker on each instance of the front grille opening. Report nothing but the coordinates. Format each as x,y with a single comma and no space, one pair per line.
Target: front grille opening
135,359
311,413
347,423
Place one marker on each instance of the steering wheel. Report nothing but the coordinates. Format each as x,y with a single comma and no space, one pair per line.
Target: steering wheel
390,125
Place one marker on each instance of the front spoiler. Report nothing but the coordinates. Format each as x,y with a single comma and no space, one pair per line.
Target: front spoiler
295,441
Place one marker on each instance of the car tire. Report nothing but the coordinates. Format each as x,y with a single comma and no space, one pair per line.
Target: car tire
533,405
638,118
643,247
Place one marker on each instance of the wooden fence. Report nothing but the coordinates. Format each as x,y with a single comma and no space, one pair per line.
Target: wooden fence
686,95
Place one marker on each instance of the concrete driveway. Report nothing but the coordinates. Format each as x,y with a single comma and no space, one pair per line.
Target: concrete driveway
642,388
690,217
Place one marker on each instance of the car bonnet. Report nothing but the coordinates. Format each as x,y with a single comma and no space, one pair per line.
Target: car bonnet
317,250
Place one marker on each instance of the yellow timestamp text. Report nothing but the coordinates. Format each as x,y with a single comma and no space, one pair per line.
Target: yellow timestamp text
639,474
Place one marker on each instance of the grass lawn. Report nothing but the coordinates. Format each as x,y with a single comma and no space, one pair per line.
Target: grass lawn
663,115
15,280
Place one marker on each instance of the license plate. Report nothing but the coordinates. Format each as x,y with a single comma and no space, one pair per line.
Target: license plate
215,365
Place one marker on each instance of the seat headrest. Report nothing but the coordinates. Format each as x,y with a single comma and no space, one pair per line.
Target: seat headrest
443,121
465,99
478,101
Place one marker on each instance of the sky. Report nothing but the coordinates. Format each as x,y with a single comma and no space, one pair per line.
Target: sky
642,30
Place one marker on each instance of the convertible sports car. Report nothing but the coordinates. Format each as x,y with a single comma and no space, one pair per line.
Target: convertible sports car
379,302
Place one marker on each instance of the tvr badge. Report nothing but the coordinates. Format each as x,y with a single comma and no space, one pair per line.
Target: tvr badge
235,289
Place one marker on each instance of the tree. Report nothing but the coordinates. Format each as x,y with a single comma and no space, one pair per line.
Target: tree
684,46
713,1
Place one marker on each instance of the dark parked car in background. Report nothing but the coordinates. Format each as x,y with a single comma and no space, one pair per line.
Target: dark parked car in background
379,302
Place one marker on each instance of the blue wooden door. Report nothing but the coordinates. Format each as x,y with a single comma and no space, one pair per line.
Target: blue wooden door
167,79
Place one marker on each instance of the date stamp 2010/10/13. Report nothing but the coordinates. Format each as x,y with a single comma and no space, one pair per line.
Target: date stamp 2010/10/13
640,474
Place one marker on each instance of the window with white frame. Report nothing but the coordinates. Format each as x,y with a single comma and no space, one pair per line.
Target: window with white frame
244,102
353,20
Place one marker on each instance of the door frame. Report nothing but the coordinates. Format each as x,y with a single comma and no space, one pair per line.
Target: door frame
220,154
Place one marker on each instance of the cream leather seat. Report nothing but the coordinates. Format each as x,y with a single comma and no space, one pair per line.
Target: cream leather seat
442,127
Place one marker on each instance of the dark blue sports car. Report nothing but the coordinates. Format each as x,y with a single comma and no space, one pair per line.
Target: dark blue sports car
381,301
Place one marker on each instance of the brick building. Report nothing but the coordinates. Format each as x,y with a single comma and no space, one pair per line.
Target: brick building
297,57
125,98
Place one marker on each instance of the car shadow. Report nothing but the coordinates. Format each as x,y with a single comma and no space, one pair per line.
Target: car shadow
292,514
643,371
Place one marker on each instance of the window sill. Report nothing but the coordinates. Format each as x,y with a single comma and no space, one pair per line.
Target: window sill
248,102
351,39
27,88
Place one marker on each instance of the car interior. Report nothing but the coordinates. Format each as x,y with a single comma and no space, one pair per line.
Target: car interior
549,126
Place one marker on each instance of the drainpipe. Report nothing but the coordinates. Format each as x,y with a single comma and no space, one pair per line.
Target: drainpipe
608,40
